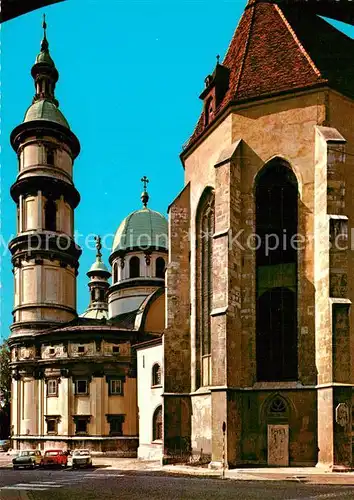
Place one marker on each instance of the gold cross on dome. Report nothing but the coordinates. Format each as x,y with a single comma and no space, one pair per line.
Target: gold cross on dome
145,181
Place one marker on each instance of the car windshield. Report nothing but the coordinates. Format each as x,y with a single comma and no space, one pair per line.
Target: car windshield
51,453
26,453
78,453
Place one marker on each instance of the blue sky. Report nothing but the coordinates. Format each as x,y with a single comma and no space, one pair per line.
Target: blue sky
130,76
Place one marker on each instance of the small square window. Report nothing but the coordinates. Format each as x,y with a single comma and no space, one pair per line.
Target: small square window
51,351
81,349
115,349
81,426
52,387
52,427
116,425
81,387
115,387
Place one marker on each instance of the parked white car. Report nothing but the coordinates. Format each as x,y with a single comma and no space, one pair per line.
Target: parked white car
81,458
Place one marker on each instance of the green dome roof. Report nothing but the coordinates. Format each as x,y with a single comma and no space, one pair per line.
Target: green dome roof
44,57
95,314
45,110
98,266
141,229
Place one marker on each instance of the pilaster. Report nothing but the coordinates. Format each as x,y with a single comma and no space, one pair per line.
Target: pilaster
333,358
226,326
177,341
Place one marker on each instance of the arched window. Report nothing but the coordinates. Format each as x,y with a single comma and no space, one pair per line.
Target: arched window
276,266
160,267
115,273
134,267
157,424
277,410
50,156
92,295
50,215
156,374
204,281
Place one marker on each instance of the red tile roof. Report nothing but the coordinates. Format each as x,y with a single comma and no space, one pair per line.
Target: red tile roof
278,49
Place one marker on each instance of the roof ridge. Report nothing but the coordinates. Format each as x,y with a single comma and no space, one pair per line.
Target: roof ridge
297,40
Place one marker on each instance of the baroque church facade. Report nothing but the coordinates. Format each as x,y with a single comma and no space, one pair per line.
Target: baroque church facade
242,351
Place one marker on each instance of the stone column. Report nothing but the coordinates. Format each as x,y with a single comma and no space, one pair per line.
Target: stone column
15,406
64,405
40,211
20,221
29,416
41,396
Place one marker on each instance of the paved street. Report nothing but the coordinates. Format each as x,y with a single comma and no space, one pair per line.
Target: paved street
104,482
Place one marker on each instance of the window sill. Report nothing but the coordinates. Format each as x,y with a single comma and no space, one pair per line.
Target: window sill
82,394
156,386
110,394
52,433
52,395
157,441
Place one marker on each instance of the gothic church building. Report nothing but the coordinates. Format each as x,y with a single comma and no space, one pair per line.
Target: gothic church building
265,328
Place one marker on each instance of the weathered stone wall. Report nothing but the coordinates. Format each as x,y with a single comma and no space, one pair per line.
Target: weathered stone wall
302,421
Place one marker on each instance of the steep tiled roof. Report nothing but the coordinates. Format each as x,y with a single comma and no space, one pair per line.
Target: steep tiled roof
278,49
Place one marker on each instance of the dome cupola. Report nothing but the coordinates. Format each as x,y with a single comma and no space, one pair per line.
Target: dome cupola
138,257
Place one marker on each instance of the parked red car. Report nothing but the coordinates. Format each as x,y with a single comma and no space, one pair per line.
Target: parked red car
55,457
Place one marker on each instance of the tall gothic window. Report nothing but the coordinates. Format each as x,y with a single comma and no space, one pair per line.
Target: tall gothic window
50,215
204,284
276,273
134,267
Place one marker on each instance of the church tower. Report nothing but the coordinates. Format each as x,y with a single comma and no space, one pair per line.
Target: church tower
44,254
